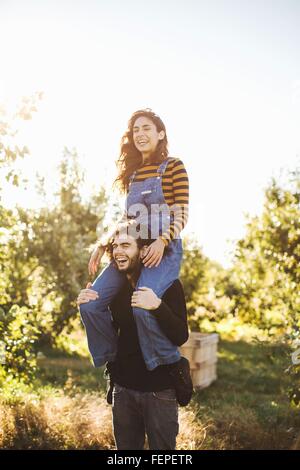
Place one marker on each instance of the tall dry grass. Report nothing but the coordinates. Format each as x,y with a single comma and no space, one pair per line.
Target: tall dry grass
79,422
57,422
83,421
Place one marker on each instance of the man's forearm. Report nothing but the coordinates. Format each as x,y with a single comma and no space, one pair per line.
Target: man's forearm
172,325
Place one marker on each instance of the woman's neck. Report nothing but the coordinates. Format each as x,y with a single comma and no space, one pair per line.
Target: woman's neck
146,158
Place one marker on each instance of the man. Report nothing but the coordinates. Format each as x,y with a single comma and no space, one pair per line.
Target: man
143,400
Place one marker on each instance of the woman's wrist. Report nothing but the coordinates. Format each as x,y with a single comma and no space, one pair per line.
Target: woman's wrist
164,240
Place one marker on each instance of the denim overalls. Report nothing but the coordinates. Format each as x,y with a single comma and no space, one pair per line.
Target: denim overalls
102,338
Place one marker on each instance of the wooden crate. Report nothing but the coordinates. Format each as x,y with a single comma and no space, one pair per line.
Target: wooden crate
201,351
204,374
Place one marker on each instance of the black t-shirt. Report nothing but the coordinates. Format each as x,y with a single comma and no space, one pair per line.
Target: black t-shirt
129,369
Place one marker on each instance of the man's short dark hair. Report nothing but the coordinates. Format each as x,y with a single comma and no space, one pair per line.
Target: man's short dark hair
127,227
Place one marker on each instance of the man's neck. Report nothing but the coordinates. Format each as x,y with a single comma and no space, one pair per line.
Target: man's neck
133,277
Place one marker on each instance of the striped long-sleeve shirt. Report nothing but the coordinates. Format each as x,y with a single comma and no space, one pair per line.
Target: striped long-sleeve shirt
175,185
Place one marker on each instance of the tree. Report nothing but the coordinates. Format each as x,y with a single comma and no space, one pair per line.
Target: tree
266,274
17,324
44,256
204,283
51,253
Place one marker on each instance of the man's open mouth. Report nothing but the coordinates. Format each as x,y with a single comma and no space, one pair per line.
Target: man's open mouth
121,261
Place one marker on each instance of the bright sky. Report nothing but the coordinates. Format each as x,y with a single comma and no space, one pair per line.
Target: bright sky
224,75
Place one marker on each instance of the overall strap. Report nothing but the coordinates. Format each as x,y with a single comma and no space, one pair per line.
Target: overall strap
162,167
132,177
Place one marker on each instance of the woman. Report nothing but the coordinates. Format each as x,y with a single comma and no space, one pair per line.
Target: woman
156,186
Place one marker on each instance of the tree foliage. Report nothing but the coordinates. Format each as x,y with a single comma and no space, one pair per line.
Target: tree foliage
44,255
266,272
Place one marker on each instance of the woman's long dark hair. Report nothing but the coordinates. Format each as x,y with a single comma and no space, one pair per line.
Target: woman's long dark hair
130,157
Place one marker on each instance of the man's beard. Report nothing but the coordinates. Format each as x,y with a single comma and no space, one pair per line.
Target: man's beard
133,265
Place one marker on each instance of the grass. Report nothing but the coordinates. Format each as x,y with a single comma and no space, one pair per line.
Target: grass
246,408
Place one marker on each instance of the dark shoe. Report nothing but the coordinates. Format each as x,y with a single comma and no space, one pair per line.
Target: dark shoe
182,380
109,391
109,383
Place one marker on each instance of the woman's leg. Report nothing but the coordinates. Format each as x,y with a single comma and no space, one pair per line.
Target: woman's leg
157,349
96,317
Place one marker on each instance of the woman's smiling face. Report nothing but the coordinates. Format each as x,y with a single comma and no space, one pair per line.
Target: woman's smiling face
145,135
